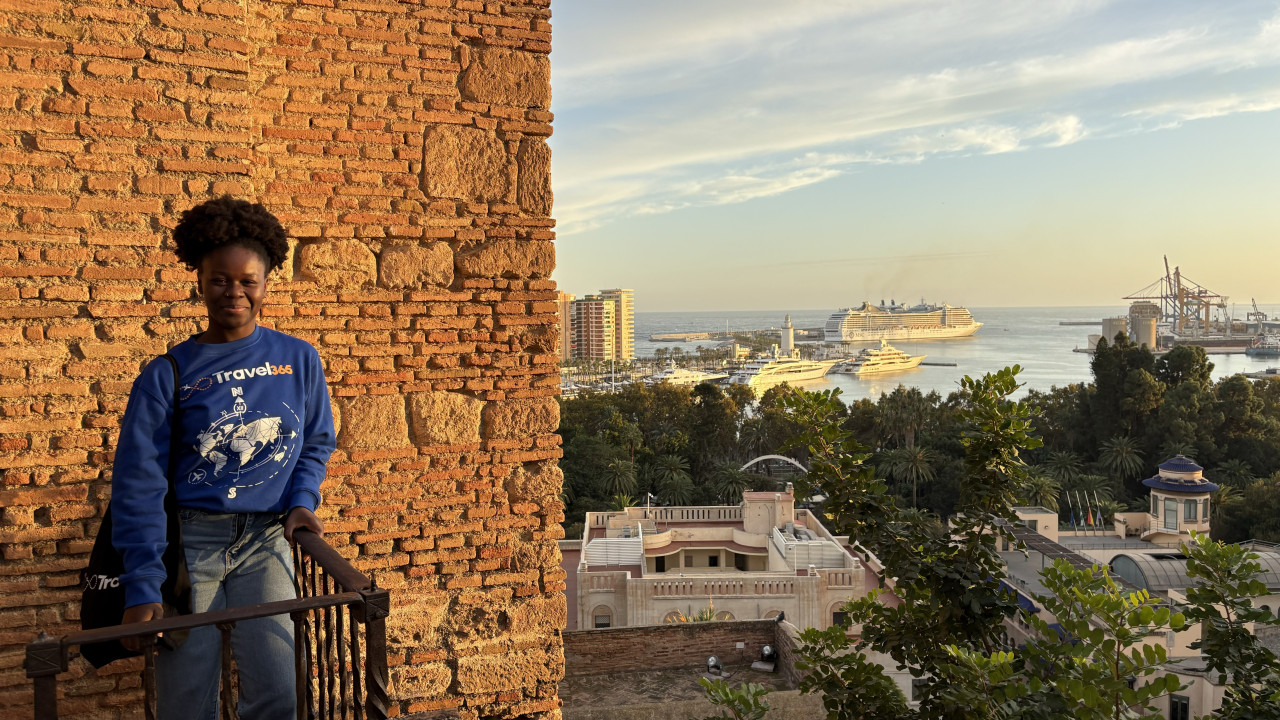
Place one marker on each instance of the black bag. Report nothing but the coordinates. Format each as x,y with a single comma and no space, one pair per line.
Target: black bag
102,598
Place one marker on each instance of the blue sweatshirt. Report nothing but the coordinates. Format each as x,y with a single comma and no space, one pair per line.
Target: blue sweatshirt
256,433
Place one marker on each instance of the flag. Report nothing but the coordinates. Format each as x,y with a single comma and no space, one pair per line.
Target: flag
1071,512
1099,504
1079,508
1088,512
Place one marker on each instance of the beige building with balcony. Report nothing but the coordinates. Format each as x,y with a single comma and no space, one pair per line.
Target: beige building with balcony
759,559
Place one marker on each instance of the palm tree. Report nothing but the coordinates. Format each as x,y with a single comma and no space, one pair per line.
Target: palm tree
1224,496
1235,472
620,477
752,437
1062,465
731,482
1177,447
1092,487
621,502
902,413
674,484
1042,490
913,465
1121,457
669,466
1108,509
676,490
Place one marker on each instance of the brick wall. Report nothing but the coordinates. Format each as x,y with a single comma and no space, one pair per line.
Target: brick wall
403,145
633,649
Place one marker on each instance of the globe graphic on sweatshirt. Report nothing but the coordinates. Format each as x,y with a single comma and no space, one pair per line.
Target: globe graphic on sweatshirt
239,442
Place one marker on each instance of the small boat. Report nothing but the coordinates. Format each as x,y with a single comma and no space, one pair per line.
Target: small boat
1264,346
883,359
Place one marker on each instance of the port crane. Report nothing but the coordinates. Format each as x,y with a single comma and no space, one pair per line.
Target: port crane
1257,314
1185,305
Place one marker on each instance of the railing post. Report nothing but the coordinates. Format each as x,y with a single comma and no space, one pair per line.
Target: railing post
45,659
373,612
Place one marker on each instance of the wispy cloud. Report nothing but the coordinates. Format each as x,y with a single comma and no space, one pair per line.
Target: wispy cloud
667,106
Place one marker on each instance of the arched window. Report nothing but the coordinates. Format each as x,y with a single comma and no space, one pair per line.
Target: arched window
602,616
772,614
724,615
672,617
1189,510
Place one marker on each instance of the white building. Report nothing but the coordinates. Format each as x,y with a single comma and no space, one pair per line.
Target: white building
647,566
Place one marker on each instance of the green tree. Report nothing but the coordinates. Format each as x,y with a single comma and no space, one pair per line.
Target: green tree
1222,603
1087,677
1043,491
948,581
1233,472
903,413
730,482
620,477
1184,363
913,465
1121,457
1063,466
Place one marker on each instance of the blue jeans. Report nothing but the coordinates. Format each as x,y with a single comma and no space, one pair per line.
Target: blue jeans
233,560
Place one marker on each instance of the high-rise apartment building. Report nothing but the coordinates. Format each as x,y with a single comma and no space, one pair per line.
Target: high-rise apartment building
593,328
623,322
565,303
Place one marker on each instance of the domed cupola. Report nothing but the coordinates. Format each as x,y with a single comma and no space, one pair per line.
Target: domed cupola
1180,496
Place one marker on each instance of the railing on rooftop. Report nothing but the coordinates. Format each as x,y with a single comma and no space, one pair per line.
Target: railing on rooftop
338,675
716,513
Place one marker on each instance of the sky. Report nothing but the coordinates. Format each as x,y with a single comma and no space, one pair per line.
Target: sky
745,155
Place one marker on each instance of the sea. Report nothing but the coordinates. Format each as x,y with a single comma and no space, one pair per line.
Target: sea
1032,337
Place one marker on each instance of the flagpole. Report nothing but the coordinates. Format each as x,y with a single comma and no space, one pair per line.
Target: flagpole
1071,511
1099,503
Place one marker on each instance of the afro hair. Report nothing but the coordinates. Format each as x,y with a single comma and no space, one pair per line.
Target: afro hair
227,221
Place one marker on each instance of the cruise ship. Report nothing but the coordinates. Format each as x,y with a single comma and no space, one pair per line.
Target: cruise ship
769,370
883,359
898,322
683,376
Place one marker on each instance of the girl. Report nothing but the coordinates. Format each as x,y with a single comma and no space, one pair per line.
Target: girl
256,432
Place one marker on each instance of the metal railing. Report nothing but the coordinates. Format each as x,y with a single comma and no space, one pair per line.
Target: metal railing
338,674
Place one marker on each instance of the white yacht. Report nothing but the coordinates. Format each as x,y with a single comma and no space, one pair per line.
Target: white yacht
683,376
769,370
883,359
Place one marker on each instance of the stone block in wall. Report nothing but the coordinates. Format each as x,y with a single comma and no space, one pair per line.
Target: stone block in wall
465,163
445,418
533,176
415,266
507,259
422,680
535,481
520,418
495,673
373,422
339,263
500,76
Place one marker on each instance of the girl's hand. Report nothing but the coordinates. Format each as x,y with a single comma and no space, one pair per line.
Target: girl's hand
301,517
137,614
